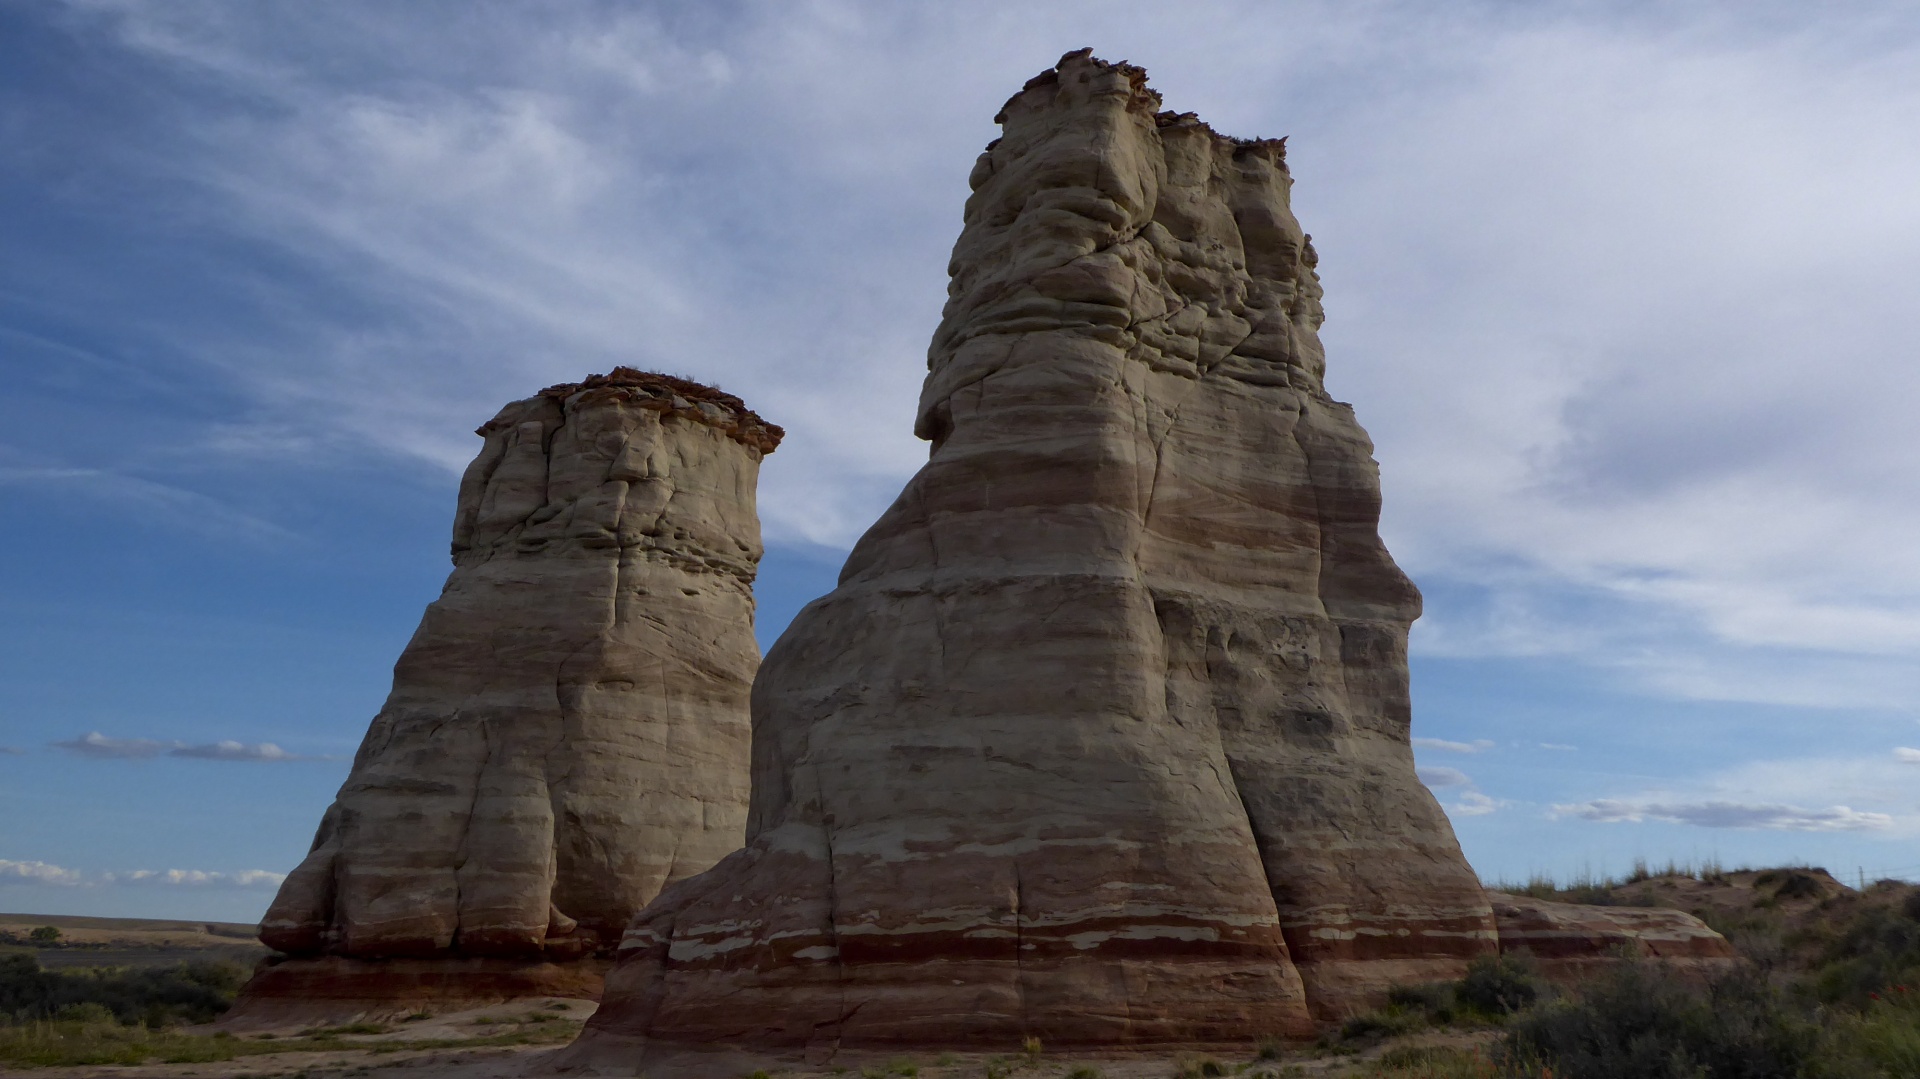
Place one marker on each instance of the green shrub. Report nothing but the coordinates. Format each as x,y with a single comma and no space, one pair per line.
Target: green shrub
1435,1000
1389,1022
45,934
1430,1062
1885,1037
1873,952
1499,985
86,1012
1640,1022
156,996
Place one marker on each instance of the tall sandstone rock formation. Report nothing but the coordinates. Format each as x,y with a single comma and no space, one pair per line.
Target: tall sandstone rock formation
568,729
1103,736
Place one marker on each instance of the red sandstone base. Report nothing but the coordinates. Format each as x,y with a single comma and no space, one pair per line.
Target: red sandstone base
335,989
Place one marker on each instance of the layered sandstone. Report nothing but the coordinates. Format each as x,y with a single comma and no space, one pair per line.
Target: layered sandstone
1567,940
1103,736
568,729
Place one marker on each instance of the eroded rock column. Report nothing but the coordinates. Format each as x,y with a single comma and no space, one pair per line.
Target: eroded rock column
1103,736
568,729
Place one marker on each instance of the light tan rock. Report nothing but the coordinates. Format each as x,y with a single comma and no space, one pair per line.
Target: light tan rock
568,729
1103,736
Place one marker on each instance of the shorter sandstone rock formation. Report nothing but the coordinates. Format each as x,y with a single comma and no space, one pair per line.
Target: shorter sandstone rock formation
1569,940
568,728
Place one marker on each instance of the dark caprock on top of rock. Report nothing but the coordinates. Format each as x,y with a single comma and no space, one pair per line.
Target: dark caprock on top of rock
568,728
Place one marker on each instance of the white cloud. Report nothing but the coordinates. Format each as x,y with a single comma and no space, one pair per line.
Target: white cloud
1573,279
1478,745
1906,754
1473,804
101,747
1850,794
1718,814
12,872
1470,801
1437,776
239,751
1561,746
196,878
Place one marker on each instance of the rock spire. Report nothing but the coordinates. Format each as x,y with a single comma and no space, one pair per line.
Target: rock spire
1103,736
568,729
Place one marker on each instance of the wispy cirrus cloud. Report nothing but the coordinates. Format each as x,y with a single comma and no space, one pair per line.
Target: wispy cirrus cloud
183,508
101,747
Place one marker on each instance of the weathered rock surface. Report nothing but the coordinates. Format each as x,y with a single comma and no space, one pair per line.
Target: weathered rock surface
1569,940
1103,736
568,729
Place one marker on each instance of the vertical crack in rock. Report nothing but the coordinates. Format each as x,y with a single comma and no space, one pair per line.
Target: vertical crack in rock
568,730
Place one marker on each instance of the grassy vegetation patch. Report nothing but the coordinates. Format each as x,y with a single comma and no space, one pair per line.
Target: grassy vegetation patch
66,1043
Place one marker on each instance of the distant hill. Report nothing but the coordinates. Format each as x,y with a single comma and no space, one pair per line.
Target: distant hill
137,942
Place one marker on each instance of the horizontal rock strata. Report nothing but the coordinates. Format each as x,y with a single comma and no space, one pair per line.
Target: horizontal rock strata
1103,736
568,729
1568,940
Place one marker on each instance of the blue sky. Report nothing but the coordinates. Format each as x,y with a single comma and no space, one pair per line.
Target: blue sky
1622,291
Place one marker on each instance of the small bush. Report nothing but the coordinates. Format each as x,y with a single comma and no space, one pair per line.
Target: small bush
1435,1001
1884,1037
1203,1068
86,1012
350,1028
45,934
1389,1022
1876,950
1499,985
1084,1071
1431,1062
